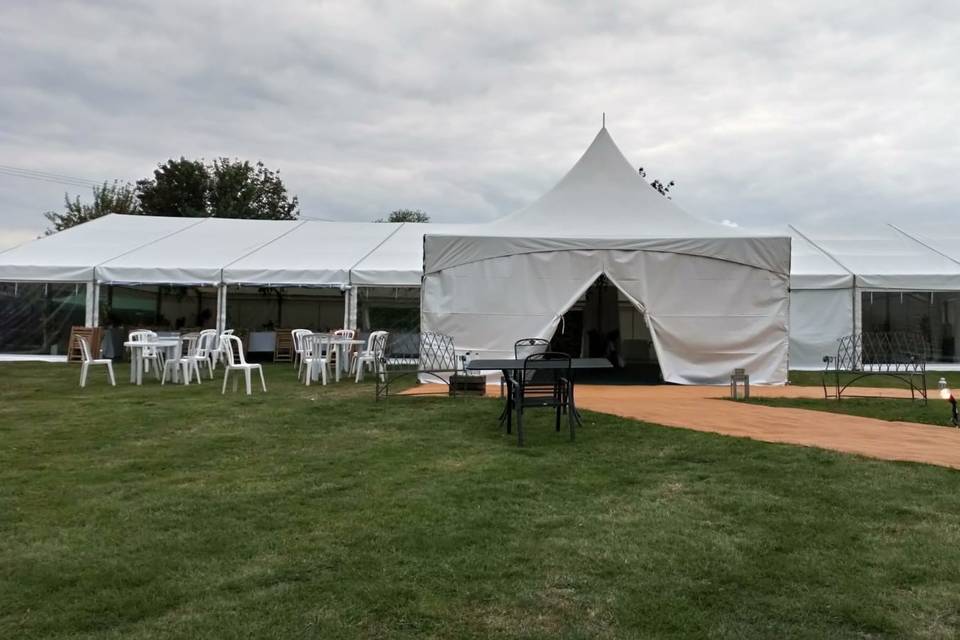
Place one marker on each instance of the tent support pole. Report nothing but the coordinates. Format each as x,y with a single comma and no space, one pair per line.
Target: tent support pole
354,295
349,307
221,308
91,305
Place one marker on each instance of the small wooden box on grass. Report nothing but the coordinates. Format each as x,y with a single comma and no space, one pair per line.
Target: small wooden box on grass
466,384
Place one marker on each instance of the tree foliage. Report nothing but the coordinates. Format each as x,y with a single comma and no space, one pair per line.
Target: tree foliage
406,215
108,198
661,188
178,188
224,188
242,190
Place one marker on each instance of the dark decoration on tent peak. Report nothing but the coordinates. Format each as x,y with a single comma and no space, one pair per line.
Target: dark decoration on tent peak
660,187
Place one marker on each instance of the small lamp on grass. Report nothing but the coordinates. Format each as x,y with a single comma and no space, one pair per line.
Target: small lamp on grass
947,395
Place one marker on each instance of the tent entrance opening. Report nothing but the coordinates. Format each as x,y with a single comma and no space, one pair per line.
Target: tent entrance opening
604,323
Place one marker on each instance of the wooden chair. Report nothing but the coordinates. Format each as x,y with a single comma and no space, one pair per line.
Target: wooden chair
92,335
283,350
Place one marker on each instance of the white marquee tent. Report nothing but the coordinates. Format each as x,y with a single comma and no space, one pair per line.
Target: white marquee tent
683,273
714,298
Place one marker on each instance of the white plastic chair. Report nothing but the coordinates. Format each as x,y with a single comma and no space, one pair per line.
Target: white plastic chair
184,361
206,348
216,349
298,335
368,357
316,356
234,360
148,354
88,360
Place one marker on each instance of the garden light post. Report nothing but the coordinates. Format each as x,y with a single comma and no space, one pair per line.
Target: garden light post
947,395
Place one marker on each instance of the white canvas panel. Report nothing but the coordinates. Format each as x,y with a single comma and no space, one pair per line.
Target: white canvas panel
315,254
196,256
72,254
818,319
707,316
770,253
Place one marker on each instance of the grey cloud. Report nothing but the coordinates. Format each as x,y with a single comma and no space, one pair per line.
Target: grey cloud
762,112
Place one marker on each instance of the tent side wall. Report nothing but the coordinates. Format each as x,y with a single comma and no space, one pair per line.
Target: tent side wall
818,319
707,316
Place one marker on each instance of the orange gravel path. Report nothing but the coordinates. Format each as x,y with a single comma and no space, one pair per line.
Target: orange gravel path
703,409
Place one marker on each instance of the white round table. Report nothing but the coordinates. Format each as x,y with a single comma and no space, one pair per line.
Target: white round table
136,355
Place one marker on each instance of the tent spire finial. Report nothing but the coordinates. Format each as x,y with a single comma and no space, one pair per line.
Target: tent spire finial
603,122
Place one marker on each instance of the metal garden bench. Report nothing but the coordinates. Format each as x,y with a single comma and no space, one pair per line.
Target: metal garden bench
899,355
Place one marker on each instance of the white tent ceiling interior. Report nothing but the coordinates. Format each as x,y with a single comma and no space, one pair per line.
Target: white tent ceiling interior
831,263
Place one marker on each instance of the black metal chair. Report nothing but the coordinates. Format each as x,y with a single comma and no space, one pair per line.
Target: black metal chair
528,346
521,349
536,386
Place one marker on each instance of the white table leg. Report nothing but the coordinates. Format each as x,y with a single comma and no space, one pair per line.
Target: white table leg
139,367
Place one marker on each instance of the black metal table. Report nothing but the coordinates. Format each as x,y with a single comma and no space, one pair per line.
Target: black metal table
508,365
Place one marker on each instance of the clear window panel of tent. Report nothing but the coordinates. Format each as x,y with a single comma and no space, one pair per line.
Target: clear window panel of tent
394,309
36,318
933,314
257,314
166,309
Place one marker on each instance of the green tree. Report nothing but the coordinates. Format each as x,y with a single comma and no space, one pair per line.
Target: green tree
108,198
178,189
406,215
224,188
242,190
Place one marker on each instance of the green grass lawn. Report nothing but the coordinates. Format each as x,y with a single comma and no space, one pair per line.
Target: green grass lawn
318,513
814,379
935,411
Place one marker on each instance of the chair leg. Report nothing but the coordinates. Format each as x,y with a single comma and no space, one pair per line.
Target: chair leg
226,374
263,382
246,375
113,381
83,375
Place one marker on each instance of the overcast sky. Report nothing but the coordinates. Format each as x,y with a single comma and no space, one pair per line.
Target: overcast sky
762,113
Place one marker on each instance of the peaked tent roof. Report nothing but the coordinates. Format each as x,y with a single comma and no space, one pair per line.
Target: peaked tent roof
602,203
604,195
